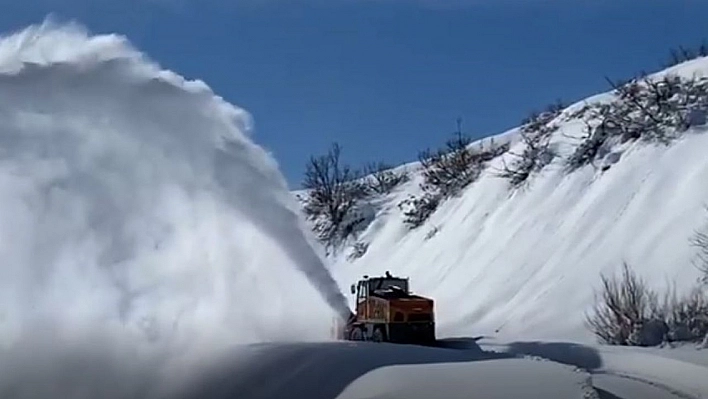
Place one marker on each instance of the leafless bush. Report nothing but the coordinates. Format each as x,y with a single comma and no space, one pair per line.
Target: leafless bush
681,54
451,168
358,250
623,308
535,156
416,210
629,313
687,316
333,190
658,109
535,133
540,122
446,172
381,178
650,109
595,138
700,241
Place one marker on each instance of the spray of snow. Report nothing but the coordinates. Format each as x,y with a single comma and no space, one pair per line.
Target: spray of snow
138,220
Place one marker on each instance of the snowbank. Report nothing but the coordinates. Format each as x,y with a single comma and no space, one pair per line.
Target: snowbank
140,224
492,379
687,378
626,372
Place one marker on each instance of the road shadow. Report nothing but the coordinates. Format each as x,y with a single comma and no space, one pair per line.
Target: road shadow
602,394
465,343
317,370
573,354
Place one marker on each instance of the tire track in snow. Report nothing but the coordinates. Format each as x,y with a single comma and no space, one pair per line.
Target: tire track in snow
612,385
609,383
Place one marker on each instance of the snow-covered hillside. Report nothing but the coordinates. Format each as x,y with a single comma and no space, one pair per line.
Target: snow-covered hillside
151,250
525,262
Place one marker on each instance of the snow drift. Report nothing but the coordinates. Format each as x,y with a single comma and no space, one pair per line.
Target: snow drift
525,263
137,219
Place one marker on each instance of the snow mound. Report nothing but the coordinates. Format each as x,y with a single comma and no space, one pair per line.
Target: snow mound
663,368
139,222
525,263
493,379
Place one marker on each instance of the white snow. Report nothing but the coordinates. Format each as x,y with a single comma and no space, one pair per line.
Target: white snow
526,263
490,379
522,267
681,376
146,240
140,225
626,372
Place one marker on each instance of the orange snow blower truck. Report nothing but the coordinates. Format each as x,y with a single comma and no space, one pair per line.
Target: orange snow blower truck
386,311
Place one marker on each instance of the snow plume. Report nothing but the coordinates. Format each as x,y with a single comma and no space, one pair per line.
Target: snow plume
139,224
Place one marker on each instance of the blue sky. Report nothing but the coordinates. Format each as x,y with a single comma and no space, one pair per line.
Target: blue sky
388,78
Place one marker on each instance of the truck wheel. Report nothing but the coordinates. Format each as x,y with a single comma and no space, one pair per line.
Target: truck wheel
379,335
356,334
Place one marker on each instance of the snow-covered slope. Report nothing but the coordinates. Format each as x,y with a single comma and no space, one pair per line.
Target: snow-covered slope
145,239
525,263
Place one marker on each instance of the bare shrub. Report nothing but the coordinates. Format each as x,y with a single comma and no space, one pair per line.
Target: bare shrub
358,250
687,316
596,137
655,110
381,178
451,168
623,307
629,313
700,241
695,309
540,122
535,156
337,199
333,191
416,210
446,172
681,54
535,132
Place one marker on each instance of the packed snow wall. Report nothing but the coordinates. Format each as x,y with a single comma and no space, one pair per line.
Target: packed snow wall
138,219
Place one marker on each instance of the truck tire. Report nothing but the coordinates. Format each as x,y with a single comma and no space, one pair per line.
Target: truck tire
379,335
356,334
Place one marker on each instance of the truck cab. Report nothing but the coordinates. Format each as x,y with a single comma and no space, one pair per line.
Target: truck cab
387,311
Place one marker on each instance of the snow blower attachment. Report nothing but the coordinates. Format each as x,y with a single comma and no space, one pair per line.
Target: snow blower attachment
386,311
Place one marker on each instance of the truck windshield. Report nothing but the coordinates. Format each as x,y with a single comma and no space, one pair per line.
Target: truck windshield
389,283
